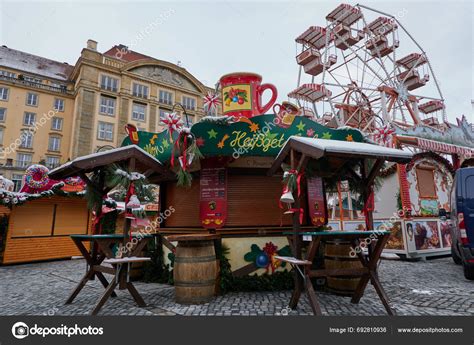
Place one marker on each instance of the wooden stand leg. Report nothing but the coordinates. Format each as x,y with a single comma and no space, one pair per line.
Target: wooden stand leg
381,292
88,276
313,299
104,282
295,296
105,297
136,296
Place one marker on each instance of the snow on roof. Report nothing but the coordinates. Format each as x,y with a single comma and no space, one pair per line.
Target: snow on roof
103,153
338,146
30,63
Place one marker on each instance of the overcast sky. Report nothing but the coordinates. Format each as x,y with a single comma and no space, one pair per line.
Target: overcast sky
214,38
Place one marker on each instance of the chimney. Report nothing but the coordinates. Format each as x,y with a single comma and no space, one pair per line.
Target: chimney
92,45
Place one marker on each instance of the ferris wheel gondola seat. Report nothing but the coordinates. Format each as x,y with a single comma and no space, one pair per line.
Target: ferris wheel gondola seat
316,67
381,26
412,60
344,38
412,80
431,106
344,13
307,56
315,36
310,93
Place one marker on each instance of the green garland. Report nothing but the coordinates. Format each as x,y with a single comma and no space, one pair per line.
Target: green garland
10,199
116,177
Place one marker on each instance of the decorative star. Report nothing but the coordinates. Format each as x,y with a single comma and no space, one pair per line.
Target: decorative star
200,142
310,132
212,134
349,137
301,126
326,135
254,127
165,143
269,136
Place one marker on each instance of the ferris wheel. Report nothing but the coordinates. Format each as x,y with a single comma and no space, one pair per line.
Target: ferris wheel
365,70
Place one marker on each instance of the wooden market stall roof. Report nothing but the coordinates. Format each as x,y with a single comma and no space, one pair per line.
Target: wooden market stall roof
318,148
144,163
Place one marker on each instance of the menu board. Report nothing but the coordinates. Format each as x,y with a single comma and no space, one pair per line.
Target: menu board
213,195
317,206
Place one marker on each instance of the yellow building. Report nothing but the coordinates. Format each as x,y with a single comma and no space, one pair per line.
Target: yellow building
51,112
36,108
121,86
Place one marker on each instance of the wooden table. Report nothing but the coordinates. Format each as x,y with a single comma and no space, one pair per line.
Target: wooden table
304,271
95,258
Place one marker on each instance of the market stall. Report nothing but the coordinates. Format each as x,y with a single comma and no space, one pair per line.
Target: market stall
126,170
37,221
324,159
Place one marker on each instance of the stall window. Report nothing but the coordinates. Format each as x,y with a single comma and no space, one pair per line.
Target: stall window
426,182
71,218
22,226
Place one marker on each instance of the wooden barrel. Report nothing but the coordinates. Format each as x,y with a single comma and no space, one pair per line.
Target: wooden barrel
336,255
195,271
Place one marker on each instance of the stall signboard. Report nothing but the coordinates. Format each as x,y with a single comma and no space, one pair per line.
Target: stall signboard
213,195
317,206
256,136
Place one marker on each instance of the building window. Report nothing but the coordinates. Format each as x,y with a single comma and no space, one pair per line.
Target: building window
138,112
32,79
189,103
107,105
32,99
3,114
189,121
163,113
3,93
26,139
54,143
105,131
52,162
165,97
426,182
59,104
23,160
7,74
29,119
57,123
109,83
140,90
1,135
17,180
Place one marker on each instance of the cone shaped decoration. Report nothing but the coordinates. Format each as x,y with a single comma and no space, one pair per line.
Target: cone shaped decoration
287,197
133,202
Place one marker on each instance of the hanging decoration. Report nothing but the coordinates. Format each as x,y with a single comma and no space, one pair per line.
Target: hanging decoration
188,151
36,179
291,184
383,135
211,101
265,257
174,123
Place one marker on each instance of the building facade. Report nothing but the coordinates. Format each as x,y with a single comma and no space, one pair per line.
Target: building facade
51,112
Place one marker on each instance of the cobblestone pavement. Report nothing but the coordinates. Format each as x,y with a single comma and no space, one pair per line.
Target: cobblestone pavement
434,287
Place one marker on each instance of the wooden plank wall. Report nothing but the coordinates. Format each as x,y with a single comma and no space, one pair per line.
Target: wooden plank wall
30,249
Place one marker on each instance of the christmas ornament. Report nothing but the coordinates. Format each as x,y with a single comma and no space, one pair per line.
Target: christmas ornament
211,100
173,122
262,260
